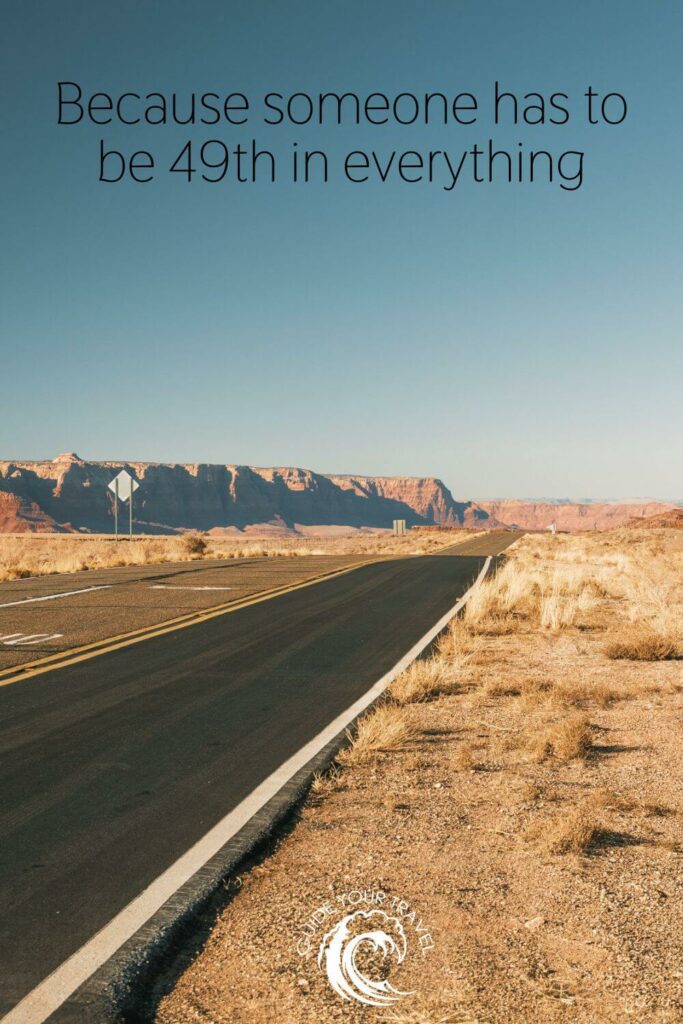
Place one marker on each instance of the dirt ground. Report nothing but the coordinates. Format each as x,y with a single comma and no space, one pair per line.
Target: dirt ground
522,793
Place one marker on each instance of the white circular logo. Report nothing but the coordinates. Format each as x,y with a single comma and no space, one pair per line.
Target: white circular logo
341,946
357,950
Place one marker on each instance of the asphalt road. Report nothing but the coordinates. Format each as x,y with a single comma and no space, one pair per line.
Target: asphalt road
45,615
111,768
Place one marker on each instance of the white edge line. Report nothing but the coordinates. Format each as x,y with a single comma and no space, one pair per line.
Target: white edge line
50,994
53,597
178,586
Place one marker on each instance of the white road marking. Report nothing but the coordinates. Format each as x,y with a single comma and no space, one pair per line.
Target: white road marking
50,994
54,597
26,639
173,586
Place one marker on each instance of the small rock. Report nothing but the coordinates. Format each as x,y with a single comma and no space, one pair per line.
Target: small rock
533,923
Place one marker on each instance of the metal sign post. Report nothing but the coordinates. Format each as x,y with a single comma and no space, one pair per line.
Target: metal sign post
116,510
124,487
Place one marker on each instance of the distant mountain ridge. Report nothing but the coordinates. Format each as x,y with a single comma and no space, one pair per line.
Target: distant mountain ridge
70,494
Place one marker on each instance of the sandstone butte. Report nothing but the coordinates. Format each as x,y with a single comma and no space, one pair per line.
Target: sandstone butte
70,494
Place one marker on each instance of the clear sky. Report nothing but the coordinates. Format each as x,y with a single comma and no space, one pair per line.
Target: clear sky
516,340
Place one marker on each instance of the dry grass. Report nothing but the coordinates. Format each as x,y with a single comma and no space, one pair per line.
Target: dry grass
502,688
385,728
464,759
423,680
574,832
642,645
569,739
194,544
459,645
532,792
603,798
571,581
23,555
598,692
325,782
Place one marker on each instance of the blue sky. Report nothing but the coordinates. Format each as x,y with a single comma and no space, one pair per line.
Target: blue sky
511,339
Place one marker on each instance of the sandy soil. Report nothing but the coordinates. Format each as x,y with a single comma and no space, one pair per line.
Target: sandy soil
546,868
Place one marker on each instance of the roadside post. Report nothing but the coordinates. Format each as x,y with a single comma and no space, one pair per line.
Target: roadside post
124,487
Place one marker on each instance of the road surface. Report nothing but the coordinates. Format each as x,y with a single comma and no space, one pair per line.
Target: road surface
112,767
46,615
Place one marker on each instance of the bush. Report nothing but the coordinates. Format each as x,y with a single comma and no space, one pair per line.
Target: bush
645,645
194,544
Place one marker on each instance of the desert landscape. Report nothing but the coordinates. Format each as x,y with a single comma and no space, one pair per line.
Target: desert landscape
70,495
521,787
341,514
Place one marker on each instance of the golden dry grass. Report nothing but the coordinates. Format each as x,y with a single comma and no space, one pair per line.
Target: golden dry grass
459,644
643,645
23,555
556,586
603,798
325,782
586,692
568,739
423,680
573,832
561,589
463,759
385,728
569,582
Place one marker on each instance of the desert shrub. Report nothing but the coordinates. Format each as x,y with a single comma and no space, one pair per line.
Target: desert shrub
567,740
459,644
194,544
642,645
421,681
590,691
574,832
463,759
386,728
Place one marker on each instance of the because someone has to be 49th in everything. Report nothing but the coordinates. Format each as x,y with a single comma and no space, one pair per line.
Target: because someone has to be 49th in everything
214,160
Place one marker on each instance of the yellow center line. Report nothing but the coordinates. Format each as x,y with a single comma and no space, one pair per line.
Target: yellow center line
62,659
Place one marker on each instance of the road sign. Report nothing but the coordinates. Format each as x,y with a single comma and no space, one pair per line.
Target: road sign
124,487
399,527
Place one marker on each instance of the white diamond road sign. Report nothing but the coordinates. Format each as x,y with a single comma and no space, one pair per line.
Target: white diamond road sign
127,485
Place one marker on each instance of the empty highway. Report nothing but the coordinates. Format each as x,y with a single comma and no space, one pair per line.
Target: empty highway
113,765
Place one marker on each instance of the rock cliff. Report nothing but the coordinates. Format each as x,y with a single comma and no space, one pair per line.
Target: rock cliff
538,515
71,494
